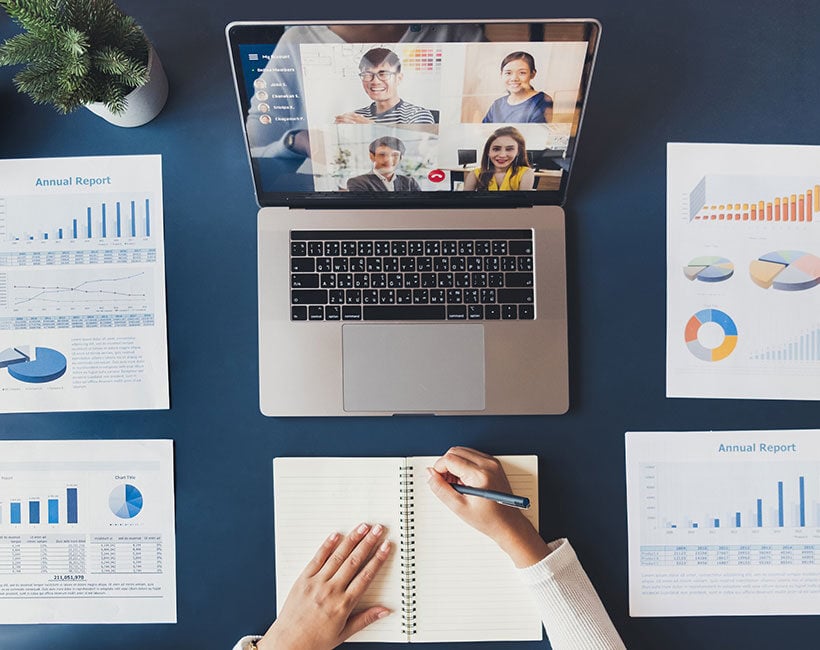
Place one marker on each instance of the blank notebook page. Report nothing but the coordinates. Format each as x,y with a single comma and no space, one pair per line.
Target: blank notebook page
466,587
314,497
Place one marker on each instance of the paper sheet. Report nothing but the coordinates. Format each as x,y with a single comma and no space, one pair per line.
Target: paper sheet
723,523
87,532
82,285
743,265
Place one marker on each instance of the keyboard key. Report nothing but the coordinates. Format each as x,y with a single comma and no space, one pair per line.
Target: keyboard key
340,265
526,312
358,265
495,279
412,280
516,295
315,248
348,248
456,312
519,279
429,280
351,313
475,312
525,264
308,296
441,264
316,312
509,312
381,248
390,264
492,312
458,263
432,248
407,264
449,247
415,248
404,297
304,280
438,296
465,247
378,280
353,296
333,312
482,247
404,312
370,297
474,264
445,279
298,313
424,264
478,280
454,296
492,263
395,280
324,265
509,264
398,248
298,248
421,296
361,280
302,264
387,297
471,296
487,296
337,296
461,279
374,264
520,247
499,248
332,249
344,280
365,248
328,281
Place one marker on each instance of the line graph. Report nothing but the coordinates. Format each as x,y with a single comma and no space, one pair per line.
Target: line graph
76,291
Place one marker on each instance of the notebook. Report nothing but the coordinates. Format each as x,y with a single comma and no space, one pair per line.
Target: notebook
396,275
444,581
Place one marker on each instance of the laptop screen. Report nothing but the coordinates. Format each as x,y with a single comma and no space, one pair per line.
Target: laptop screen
412,114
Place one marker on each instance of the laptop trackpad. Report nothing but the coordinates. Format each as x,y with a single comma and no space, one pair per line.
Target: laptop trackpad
405,368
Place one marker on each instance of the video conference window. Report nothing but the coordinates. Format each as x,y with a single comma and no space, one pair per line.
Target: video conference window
400,117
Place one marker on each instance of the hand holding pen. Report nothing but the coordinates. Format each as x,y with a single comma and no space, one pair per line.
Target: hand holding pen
507,526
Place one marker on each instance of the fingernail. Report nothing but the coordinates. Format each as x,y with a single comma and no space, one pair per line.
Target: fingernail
383,614
333,537
362,528
385,546
377,530
430,471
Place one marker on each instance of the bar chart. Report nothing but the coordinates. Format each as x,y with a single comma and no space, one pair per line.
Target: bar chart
77,218
692,496
755,199
804,346
43,510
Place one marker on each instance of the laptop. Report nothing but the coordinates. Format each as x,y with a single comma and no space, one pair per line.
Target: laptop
398,276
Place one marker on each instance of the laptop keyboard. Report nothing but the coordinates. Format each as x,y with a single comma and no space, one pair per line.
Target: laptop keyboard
414,275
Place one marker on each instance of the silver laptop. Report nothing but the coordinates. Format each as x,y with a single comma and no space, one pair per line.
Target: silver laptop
411,238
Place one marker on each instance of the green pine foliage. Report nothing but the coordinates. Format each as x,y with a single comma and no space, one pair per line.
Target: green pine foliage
75,52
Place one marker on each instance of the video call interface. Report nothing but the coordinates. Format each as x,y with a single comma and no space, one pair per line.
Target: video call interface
440,109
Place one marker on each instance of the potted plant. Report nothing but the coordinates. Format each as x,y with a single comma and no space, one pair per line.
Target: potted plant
85,53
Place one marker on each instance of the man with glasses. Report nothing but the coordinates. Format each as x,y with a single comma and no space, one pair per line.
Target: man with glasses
380,72
385,154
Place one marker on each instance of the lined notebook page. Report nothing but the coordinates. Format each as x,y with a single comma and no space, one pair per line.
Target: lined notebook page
316,496
466,587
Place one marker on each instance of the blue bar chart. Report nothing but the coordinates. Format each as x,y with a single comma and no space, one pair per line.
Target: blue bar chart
79,220
43,511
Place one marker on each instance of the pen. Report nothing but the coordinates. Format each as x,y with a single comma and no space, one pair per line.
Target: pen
499,497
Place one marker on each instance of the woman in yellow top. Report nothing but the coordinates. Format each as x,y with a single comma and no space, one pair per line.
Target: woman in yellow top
504,164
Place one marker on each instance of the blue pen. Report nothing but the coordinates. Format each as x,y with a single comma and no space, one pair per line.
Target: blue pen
499,497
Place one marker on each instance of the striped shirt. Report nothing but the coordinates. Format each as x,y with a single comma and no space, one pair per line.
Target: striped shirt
401,113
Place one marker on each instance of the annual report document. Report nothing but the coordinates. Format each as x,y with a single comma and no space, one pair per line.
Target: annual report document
87,531
743,265
82,285
723,523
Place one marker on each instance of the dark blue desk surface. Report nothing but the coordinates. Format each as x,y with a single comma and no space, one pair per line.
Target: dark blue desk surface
735,72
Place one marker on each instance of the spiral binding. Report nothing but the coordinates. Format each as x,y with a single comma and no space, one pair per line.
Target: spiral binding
407,515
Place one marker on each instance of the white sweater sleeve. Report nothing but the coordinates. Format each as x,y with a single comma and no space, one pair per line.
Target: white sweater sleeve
242,644
574,616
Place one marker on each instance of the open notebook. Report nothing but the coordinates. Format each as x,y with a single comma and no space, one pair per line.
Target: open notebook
455,583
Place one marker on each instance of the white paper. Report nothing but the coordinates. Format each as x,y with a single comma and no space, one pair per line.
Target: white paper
82,285
87,532
743,264
723,523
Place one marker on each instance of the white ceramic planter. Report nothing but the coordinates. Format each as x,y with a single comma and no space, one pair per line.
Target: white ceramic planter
143,104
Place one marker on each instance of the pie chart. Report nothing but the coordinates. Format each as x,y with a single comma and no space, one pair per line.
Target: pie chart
786,270
709,268
125,501
43,366
719,327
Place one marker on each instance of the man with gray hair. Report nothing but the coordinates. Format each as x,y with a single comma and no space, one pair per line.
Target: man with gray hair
385,153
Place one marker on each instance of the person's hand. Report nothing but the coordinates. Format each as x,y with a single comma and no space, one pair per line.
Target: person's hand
505,525
318,612
352,118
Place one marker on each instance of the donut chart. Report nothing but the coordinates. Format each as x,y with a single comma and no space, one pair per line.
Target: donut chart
786,270
709,268
722,320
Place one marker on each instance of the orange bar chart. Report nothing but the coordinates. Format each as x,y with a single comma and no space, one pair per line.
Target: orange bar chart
789,208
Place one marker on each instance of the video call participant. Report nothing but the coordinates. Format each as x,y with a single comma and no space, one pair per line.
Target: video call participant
504,164
522,103
286,139
318,613
380,72
385,153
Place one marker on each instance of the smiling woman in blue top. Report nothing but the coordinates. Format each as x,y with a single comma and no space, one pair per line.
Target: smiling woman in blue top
380,72
522,103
